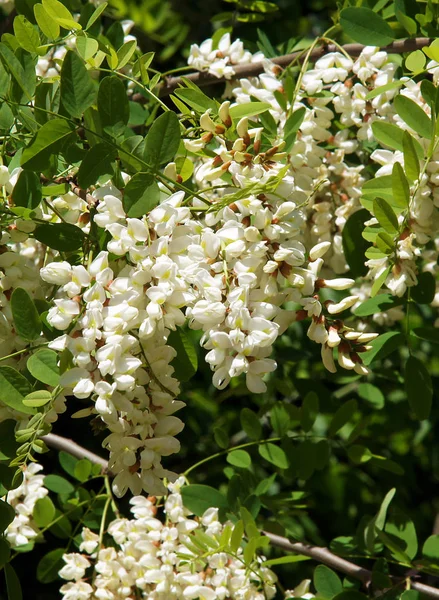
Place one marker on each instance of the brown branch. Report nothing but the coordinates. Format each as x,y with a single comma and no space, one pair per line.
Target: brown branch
203,79
91,201
61,443
321,555
325,556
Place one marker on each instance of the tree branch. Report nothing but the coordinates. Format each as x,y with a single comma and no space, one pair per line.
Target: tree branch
203,79
61,443
321,555
325,556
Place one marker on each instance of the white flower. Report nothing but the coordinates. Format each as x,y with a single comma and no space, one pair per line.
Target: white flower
75,566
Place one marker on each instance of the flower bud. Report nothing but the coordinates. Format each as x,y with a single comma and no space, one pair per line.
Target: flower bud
206,122
328,359
347,302
342,283
319,250
242,128
224,113
4,175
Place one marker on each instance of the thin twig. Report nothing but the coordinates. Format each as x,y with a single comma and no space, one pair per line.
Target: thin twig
61,443
91,201
203,79
325,556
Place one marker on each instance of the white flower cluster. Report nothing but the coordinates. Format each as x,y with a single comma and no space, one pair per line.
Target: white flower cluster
219,60
257,247
153,558
23,528
328,163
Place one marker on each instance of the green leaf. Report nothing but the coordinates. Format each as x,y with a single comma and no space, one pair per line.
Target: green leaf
308,411
280,418
412,595
327,582
186,362
97,162
248,109
27,190
5,555
43,366
354,245
411,161
411,27
221,437
251,424
7,515
141,195
400,186
49,140
274,455
395,548
62,528
15,68
342,416
239,458
379,282
372,394
365,26
378,186
359,454
400,527
58,484
198,498
60,14
86,46
113,105
393,85
26,318
82,470
377,523
13,584
68,462
291,128
388,134
37,399
63,237
430,94
49,565
78,90
382,346
415,61
48,26
418,387
285,560
125,53
8,447
385,215
380,303
44,511
424,291
412,114
26,34
162,140
196,99
237,534
96,14
385,243
430,549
